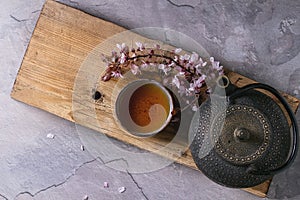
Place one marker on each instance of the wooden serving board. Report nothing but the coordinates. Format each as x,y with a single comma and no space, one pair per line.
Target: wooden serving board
62,59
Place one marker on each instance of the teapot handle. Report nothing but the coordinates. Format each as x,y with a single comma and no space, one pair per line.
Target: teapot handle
252,169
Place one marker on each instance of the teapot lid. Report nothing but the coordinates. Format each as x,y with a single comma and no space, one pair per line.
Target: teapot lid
228,139
243,136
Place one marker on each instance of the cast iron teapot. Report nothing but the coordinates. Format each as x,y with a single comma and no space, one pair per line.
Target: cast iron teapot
242,137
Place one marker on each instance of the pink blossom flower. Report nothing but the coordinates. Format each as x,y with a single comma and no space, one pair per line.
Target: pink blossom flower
175,58
194,57
157,46
182,91
135,69
165,68
194,108
178,50
172,64
215,64
184,57
144,66
192,87
166,81
209,90
116,74
123,58
123,48
221,72
114,56
197,84
201,79
198,69
176,82
140,46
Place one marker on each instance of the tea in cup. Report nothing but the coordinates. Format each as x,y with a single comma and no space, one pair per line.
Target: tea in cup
144,107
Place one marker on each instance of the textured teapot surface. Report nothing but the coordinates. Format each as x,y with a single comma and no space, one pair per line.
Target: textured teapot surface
229,140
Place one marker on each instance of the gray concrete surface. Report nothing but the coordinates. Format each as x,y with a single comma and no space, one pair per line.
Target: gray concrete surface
260,39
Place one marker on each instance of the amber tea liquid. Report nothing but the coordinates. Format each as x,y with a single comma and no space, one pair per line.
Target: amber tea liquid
149,107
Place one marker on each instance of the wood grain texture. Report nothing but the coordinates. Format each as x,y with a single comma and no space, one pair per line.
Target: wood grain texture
60,72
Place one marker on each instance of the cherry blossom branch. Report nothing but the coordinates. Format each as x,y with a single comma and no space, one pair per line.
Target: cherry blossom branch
192,72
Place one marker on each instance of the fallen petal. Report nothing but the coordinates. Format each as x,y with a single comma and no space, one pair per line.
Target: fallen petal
82,148
105,185
50,136
121,189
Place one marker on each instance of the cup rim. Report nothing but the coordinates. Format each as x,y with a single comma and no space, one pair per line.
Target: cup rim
145,81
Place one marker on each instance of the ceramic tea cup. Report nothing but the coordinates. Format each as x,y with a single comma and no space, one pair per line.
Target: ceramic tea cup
144,107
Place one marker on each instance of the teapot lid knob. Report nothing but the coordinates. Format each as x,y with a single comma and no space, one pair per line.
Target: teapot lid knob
241,134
